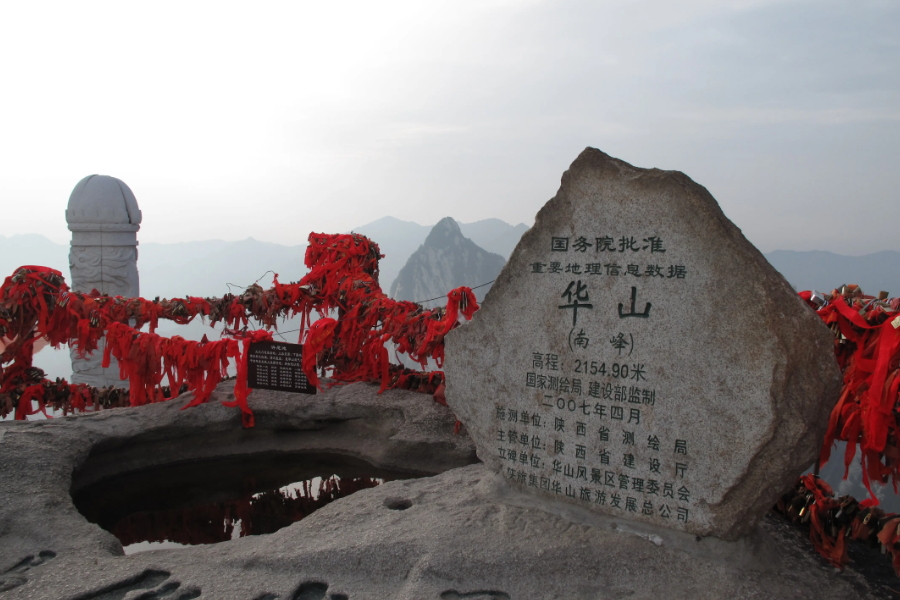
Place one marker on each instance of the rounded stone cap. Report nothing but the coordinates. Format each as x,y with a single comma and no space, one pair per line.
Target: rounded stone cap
102,202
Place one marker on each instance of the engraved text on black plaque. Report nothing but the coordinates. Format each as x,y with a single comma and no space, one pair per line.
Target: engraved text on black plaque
276,366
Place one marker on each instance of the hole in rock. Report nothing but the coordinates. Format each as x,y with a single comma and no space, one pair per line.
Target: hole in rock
311,590
397,503
211,501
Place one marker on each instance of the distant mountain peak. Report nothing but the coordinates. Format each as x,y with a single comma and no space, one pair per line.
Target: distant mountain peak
386,221
444,233
399,239
445,261
447,222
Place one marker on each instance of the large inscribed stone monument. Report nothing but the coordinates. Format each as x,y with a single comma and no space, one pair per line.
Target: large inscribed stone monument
639,358
104,219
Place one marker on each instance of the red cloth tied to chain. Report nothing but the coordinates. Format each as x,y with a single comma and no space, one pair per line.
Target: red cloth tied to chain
80,397
462,298
867,348
32,392
241,391
206,365
343,280
320,337
889,536
834,549
28,297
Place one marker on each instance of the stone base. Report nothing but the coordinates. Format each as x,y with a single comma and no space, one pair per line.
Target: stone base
452,536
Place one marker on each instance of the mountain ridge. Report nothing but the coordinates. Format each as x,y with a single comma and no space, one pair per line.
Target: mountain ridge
825,270
242,262
446,260
398,239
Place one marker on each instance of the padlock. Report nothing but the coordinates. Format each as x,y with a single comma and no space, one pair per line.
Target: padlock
818,299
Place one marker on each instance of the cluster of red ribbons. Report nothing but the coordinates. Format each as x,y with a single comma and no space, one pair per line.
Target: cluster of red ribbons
833,522
36,304
867,347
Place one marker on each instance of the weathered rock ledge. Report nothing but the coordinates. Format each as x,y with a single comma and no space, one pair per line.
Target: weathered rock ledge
456,535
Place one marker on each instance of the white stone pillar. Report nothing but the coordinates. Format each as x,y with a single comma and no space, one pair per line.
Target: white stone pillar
104,219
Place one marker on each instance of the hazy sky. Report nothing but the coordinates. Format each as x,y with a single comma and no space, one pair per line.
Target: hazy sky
272,120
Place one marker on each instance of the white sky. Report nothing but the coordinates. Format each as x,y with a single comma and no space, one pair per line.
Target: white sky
272,120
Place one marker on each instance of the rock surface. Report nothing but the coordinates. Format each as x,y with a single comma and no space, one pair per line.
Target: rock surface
639,358
461,534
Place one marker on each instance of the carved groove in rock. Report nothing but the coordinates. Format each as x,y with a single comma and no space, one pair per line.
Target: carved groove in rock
15,576
477,595
146,580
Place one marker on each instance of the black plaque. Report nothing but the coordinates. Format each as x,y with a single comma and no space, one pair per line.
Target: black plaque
277,366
